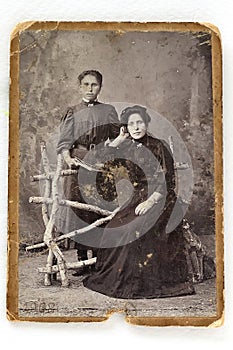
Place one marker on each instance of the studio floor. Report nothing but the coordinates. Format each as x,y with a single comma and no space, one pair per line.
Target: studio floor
37,300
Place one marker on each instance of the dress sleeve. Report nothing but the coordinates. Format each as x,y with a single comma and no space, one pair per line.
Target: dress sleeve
167,169
114,122
66,137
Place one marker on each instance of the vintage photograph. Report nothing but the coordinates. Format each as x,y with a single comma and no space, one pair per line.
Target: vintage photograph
115,185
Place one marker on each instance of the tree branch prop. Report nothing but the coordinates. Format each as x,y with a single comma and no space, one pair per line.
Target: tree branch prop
69,266
76,232
48,235
177,165
50,175
45,215
64,202
51,189
47,191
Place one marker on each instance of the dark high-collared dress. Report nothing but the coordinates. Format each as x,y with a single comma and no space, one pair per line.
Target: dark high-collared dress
83,131
139,258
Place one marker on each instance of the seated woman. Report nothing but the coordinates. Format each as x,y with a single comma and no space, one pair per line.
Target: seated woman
138,258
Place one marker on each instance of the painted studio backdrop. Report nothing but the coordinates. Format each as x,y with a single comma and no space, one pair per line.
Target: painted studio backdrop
167,72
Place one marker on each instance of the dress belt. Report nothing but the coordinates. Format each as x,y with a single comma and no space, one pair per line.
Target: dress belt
85,147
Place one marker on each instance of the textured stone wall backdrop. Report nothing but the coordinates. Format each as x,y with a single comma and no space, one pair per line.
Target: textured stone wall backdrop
170,73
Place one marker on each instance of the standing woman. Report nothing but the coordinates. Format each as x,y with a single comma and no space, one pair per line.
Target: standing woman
84,127
138,258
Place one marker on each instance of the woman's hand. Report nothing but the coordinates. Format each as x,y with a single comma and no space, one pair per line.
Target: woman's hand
120,138
71,162
123,133
143,207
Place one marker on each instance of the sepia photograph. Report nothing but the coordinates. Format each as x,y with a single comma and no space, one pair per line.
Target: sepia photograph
115,173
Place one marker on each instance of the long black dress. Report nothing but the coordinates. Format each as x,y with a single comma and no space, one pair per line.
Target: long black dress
83,131
138,258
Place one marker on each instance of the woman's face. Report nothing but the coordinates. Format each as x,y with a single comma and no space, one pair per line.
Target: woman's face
136,126
90,87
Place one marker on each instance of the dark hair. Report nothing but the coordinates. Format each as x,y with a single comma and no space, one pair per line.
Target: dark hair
95,73
126,113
